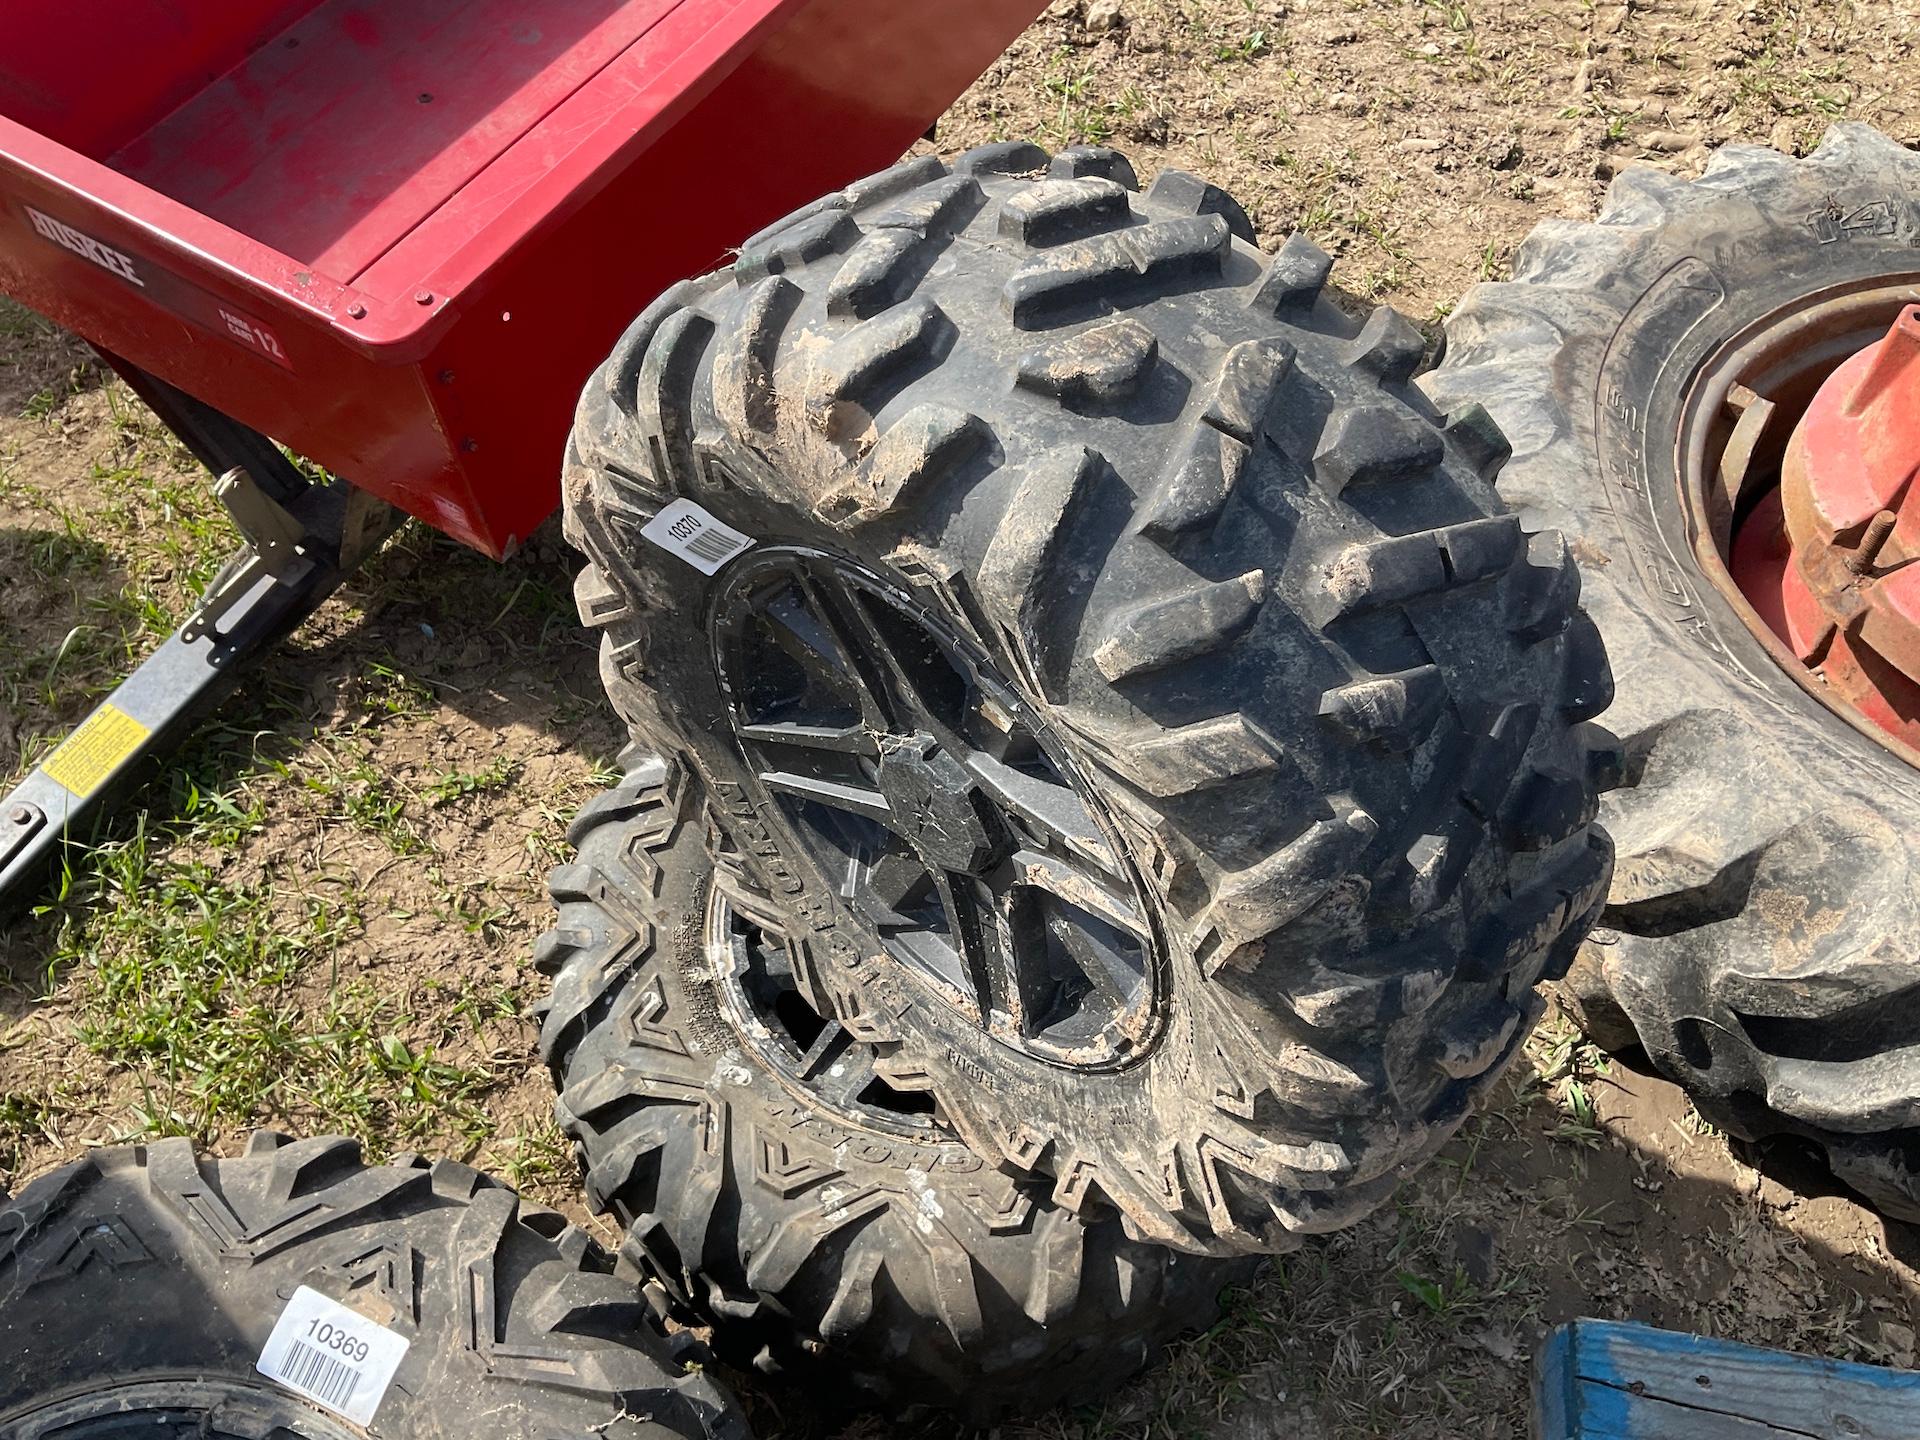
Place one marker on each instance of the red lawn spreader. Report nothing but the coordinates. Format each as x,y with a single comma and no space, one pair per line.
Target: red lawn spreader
396,240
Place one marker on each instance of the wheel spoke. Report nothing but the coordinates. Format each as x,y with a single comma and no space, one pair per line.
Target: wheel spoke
811,645
887,671
1095,895
840,615
990,729
806,625
836,1065
1052,812
839,739
1096,963
820,763
776,961
827,1048
892,880
985,949
835,794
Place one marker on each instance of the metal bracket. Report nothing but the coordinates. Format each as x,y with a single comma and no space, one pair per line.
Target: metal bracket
273,552
301,539
365,523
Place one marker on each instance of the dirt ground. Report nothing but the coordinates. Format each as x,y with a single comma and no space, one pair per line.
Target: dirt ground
319,917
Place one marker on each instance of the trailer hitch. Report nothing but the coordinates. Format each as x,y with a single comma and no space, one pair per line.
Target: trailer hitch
301,539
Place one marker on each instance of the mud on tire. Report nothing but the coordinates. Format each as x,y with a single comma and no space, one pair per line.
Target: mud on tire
138,1287
1224,664
826,1226
1762,940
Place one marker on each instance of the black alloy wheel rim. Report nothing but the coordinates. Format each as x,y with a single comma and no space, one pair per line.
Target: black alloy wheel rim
800,1042
939,806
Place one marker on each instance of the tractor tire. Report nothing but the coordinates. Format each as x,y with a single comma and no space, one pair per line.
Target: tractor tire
1167,745
825,1226
1762,940
139,1287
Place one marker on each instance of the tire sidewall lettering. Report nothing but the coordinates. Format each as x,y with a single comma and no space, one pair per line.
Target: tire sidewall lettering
844,1144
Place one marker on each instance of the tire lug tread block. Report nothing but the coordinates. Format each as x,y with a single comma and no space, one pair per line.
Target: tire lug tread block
1177,190
1103,366
106,1266
1053,211
1081,160
1389,346
1300,661
1294,279
1179,627
1148,261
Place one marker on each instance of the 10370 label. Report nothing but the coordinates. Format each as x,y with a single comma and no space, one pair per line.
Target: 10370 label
691,532
335,1357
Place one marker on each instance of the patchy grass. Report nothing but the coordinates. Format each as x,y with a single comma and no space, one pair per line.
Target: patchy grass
317,917
458,785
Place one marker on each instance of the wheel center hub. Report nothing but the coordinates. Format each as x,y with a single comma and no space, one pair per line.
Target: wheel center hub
1827,560
937,806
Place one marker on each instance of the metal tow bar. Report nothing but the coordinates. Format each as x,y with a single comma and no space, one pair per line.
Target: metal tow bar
295,556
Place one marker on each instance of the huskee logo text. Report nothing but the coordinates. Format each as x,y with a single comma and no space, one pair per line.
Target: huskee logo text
85,246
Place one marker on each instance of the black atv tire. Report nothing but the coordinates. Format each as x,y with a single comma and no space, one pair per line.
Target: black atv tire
846,1242
139,1285
1234,796
1762,940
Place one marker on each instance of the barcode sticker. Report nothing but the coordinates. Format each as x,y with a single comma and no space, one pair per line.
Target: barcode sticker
695,536
334,1356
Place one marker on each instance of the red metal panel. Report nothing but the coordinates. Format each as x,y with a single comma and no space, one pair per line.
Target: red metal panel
534,244
674,63
323,398
91,73
595,138
340,135
807,113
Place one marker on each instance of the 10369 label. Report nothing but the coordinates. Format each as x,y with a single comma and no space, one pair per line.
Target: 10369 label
335,1357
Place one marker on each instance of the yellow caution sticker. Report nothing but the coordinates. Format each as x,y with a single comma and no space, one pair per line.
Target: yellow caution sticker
100,746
